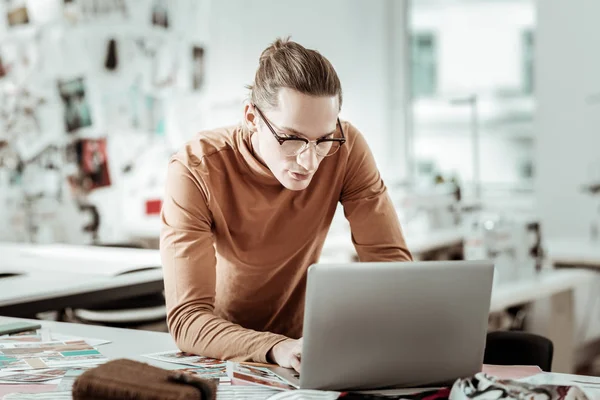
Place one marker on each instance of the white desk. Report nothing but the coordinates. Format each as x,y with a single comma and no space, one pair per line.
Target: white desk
133,344
551,295
418,243
26,295
574,252
93,260
129,343
56,276
29,294
125,343
544,285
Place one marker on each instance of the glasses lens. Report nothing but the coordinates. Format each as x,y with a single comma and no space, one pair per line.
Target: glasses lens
328,148
292,147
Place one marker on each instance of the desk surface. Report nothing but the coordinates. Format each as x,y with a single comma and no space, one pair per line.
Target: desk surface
582,252
129,343
65,258
28,294
418,242
125,343
133,344
542,285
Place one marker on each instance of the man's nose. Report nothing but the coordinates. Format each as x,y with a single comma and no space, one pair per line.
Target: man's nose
307,159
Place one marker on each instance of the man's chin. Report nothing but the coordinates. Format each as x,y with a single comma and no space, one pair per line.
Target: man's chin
292,184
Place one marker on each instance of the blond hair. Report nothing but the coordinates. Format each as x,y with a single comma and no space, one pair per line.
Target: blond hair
287,64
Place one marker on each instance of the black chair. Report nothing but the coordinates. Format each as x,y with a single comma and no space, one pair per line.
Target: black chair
518,348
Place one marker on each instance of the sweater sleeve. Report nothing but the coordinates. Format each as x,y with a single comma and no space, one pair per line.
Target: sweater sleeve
189,266
376,232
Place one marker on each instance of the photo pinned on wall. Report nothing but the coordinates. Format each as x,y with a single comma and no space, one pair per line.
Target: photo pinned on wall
155,115
16,12
77,112
197,67
111,60
160,13
92,160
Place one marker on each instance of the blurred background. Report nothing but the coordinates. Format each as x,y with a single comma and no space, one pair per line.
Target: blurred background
482,115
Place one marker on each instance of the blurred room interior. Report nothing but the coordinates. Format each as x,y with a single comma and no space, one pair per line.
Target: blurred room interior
482,116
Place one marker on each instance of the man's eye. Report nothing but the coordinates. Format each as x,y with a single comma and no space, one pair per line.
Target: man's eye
285,135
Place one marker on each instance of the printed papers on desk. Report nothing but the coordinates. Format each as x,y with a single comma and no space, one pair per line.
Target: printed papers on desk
252,375
44,357
180,357
26,356
202,367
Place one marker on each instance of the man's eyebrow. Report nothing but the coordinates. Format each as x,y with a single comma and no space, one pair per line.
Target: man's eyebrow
296,133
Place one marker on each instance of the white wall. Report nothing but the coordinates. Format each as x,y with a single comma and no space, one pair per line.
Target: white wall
352,34
568,128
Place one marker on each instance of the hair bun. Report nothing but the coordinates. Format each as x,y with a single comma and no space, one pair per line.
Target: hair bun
277,45
280,43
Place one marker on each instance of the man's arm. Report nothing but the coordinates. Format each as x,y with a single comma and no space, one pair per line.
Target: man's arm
189,265
376,232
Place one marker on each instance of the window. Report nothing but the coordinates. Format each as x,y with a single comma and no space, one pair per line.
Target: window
465,48
424,64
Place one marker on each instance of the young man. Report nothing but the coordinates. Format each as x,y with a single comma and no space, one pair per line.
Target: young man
247,209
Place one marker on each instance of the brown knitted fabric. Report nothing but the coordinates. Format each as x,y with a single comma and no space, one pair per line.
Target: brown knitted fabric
131,380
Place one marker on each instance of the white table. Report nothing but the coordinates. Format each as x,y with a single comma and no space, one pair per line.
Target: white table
28,294
134,344
125,343
551,296
419,243
56,276
580,253
542,285
129,343
573,252
65,258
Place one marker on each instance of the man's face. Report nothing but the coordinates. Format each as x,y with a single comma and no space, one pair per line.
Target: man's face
298,115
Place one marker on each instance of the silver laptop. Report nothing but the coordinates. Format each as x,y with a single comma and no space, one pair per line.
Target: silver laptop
391,325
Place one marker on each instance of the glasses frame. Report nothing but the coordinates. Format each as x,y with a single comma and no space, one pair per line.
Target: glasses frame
282,140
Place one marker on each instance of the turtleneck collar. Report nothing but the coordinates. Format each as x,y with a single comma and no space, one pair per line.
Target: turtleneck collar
255,166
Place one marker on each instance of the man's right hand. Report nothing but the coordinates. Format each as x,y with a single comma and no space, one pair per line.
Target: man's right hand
287,354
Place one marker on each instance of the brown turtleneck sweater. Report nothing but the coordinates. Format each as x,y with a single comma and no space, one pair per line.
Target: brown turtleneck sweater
236,245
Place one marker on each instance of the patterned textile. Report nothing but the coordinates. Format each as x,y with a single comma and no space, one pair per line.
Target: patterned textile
485,387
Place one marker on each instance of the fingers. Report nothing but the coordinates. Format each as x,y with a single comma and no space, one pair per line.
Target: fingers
295,362
298,347
296,358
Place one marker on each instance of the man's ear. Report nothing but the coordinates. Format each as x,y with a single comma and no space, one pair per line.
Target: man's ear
250,117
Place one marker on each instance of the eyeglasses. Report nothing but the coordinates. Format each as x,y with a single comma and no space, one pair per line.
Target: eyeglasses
293,145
